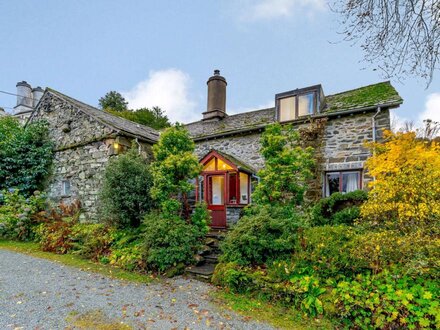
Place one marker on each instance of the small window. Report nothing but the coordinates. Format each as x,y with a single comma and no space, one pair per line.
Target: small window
233,191
244,188
66,187
210,166
342,182
306,104
222,166
288,108
298,103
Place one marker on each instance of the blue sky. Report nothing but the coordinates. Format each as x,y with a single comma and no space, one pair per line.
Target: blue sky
162,53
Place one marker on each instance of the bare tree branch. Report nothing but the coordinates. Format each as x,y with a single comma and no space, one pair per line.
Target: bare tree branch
399,37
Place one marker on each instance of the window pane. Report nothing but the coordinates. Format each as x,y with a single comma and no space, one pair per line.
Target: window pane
244,182
350,182
210,166
305,104
218,190
332,183
233,188
66,187
222,166
287,108
201,188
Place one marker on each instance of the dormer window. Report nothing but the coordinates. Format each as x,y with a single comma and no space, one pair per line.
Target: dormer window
298,103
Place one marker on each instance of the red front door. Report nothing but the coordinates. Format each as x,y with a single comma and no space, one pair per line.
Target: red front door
216,199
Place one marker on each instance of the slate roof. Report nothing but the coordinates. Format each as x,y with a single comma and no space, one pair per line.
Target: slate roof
367,97
253,120
372,95
122,125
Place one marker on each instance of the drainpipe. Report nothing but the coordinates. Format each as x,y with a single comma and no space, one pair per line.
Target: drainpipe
373,120
256,177
139,146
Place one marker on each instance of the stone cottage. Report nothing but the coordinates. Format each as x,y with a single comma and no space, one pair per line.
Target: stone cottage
228,146
85,139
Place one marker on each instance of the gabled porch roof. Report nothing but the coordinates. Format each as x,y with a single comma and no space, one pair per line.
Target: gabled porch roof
232,161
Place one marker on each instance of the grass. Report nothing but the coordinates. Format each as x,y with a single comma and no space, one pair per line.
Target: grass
33,250
275,314
95,319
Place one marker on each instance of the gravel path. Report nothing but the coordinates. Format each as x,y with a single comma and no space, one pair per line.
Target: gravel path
41,294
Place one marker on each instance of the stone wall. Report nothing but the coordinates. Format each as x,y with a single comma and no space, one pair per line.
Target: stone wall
243,147
83,167
233,214
69,126
344,141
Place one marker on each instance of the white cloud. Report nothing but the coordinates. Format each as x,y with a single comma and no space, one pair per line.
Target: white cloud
431,111
167,89
273,9
432,108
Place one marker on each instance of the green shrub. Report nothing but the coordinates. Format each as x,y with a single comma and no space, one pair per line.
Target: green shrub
200,219
287,168
339,208
175,166
233,277
126,250
300,290
328,251
168,241
125,195
387,302
91,241
414,254
18,214
332,251
261,236
26,155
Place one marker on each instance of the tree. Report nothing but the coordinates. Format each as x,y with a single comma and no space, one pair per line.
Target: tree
405,193
113,101
125,196
400,38
25,155
174,167
154,118
288,167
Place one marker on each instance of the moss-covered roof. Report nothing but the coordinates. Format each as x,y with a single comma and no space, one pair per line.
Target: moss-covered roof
378,94
246,121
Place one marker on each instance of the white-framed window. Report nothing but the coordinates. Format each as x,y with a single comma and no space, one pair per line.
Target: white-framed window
343,181
66,186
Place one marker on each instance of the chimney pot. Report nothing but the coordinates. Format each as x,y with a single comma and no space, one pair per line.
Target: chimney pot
216,109
24,94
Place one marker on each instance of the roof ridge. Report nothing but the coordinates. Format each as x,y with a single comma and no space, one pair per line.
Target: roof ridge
70,99
235,114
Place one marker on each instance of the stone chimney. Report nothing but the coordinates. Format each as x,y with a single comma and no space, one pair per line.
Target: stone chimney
37,93
24,94
216,97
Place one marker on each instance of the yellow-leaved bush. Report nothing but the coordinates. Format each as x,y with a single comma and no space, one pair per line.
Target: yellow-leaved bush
405,192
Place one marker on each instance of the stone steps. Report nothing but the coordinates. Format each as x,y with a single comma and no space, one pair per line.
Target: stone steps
203,272
207,257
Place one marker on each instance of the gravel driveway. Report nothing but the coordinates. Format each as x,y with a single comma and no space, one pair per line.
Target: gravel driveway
41,294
